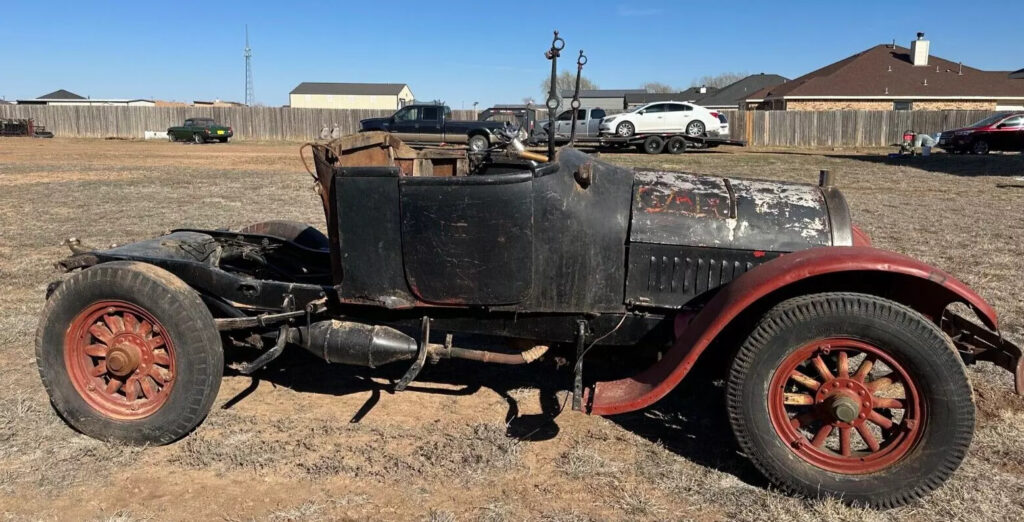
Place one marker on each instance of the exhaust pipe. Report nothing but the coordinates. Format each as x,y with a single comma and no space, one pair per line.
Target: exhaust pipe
358,344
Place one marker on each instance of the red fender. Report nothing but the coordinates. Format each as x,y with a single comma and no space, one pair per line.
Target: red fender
650,385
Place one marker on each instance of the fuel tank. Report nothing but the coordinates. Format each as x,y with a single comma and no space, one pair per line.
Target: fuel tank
691,233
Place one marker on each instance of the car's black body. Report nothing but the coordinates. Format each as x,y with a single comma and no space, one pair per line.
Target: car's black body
432,123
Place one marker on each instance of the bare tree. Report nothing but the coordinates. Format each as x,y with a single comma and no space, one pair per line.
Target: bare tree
719,80
566,81
658,87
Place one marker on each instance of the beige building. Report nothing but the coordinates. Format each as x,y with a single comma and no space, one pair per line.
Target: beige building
383,96
889,77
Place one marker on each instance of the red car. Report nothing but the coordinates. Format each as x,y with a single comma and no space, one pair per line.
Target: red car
1004,131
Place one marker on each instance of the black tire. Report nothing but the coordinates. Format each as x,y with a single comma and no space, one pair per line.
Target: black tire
184,321
478,142
980,147
653,145
695,128
927,356
170,137
675,145
298,233
198,138
625,129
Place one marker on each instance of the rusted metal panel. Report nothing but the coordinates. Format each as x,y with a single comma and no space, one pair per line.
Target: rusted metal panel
703,211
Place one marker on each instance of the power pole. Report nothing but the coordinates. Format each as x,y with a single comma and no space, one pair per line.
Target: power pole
250,98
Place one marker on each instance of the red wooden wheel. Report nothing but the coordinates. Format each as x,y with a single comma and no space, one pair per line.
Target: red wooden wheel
845,406
119,359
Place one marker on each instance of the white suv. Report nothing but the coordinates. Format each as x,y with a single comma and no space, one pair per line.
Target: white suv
665,117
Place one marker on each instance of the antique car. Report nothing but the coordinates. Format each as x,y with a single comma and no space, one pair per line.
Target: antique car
845,363
200,130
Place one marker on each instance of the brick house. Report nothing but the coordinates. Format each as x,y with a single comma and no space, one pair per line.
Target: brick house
889,77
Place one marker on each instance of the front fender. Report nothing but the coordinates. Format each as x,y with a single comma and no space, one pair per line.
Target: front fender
933,290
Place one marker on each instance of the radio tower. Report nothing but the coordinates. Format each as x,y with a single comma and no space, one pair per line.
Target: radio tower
250,98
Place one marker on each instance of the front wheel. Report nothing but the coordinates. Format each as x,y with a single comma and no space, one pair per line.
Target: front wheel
198,138
851,396
980,147
625,129
170,137
128,352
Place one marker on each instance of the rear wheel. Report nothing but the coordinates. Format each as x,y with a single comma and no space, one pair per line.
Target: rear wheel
128,352
851,396
653,145
298,233
198,138
170,137
980,147
675,145
222,140
478,142
695,128
625,129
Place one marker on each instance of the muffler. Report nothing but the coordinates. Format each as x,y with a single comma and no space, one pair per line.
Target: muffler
359,344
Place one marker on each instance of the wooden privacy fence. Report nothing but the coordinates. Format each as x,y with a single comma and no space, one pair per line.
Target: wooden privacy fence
253,123
841,128
759,128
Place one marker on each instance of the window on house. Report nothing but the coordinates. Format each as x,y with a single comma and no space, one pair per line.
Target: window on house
902,105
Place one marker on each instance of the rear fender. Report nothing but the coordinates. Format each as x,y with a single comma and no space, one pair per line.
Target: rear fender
918,285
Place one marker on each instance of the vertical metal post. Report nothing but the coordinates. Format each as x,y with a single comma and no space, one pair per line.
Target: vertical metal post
577,388
553,102
575,104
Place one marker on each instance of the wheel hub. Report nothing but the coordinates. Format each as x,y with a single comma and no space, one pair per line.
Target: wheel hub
828,408
120,360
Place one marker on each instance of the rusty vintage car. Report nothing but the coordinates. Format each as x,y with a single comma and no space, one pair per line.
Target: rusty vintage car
846,363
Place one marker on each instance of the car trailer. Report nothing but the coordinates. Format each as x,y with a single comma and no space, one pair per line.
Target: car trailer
672,143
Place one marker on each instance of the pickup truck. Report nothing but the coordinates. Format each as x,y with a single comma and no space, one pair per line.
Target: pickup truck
588,123
200,130
433,124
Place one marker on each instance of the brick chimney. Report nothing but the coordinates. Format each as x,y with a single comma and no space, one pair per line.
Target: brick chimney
919,50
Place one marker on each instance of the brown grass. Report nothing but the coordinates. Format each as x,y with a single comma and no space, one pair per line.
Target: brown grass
287,451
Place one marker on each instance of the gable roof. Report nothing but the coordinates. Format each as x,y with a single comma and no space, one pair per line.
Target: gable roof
601,93
61,94
362,89
732,94
692,94
887,72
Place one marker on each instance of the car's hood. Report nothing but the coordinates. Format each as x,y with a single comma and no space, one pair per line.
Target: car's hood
372,120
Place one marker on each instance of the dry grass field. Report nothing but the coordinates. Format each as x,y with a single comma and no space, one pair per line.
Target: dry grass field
307,441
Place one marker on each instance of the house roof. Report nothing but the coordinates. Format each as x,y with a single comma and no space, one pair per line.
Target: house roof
732,94
887,72
61,94
363,89
601,93
691,94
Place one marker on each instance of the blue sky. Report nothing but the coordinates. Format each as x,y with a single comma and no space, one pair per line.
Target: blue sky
461,52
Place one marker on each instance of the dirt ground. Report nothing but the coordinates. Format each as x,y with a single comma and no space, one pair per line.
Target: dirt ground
309,441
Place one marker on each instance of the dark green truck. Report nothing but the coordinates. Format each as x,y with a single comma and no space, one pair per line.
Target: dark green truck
200,130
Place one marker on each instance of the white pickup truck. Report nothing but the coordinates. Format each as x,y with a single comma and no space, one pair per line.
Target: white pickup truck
588,123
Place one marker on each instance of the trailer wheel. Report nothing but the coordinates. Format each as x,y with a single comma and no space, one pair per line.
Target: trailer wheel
299,233
851,396
653,145
625,129
198,138
128,352
695,128
675,145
